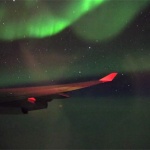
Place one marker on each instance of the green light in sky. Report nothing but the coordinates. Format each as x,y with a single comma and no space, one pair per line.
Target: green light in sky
109,19
21,19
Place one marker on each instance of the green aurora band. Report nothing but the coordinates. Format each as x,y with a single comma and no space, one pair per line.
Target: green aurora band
38,19
109,19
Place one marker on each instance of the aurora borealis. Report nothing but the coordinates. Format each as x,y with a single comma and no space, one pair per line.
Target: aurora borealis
46,18
52,42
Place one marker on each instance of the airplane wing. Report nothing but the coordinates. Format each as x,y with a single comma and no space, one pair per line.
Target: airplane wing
39,96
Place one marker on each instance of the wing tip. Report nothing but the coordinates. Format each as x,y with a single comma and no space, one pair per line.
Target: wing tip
109,77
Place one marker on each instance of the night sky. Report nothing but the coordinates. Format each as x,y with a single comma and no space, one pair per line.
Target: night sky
54,42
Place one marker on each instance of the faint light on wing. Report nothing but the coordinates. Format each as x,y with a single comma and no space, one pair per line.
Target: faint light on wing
31,100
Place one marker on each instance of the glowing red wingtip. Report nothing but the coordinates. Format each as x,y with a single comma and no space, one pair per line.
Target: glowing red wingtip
109,77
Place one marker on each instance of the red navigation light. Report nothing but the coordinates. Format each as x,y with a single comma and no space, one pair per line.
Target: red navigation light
31,100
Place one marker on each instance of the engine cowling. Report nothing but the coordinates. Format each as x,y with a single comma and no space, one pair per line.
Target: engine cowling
34,106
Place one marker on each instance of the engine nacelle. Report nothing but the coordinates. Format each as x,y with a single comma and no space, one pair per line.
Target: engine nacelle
30,106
